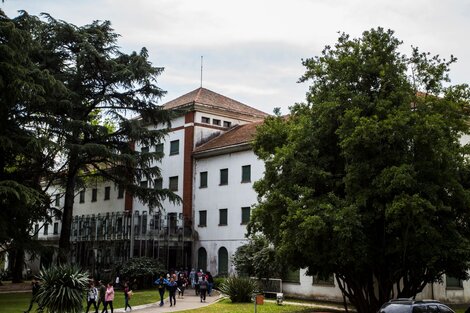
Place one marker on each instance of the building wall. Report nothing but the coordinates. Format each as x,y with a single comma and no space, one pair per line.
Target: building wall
232,197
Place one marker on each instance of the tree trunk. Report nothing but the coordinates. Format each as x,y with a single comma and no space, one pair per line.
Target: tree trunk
17,265
67,216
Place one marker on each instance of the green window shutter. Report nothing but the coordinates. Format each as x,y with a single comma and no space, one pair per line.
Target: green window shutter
246,215
202,218
222,217
174,147
202,259
246,173
203,180
223,261
224,176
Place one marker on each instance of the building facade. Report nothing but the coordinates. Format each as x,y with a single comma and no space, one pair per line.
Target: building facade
209,163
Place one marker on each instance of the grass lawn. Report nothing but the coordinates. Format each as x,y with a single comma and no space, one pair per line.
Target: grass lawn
16,302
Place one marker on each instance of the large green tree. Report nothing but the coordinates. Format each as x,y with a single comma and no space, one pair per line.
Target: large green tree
369,180
26,149
109,99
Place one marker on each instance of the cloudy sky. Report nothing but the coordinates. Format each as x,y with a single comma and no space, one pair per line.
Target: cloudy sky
253,48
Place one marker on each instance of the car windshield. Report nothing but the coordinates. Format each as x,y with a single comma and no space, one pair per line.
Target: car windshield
396,308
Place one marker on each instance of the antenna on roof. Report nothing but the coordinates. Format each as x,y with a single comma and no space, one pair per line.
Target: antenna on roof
201,69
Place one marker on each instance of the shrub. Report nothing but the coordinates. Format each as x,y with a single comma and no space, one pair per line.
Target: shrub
239,289
142,270
62,289
218,281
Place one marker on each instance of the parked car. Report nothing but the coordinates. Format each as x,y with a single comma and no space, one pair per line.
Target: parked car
414,306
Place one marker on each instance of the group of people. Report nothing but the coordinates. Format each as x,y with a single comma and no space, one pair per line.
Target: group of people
173,281
105,294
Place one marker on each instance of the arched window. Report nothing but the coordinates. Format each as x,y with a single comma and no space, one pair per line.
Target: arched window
202,259
223,261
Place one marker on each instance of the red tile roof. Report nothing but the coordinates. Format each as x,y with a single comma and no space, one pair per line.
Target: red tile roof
206,97
238,135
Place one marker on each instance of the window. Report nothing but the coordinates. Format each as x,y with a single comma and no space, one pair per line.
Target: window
202,258
227,124
56,228
224,176
292,276
82,196
202,218
144,184
203,180
453,283
120,192
94,194
246,173
107,192
46,229
174,147
205,120
223,217
245,215
173,185
327,281
159,148
144,150
57,200
158,183
223,262
216,122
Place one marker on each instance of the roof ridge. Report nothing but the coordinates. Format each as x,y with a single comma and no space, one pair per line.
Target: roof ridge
196,99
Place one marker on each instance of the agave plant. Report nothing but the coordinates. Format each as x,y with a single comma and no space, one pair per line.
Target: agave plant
62,289
239,289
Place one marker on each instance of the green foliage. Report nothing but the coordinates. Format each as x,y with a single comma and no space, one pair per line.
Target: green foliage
218,281
239,289
142,269
368,179
62,289
258,258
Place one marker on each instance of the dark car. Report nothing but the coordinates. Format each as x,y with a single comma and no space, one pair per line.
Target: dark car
414,306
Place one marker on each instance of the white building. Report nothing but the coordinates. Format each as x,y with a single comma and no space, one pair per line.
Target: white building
209,163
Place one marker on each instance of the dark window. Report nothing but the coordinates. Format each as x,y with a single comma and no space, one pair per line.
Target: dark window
202,218
174,147
158,183
223,262
144,150
94,194
224,176
107,193
246,173
82,196
203,180
452,282
144,184
173,185
205,120
46,229
216,122
246,215
57,200
223,217
159,148
324,280
202,258
120,192
56,228
227,124
292,276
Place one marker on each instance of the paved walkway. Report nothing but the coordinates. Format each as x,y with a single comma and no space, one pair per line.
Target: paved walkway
190,302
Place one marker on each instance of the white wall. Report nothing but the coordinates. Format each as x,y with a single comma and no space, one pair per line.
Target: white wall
232,197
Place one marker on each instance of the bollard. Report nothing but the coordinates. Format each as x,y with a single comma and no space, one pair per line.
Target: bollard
279,298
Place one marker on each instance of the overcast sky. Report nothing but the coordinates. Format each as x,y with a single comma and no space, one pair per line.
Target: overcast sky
253,48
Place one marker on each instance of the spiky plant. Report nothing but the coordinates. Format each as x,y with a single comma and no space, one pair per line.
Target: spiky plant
239,289
62,289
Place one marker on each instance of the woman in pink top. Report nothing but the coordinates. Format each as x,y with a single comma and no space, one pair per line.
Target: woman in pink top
109,297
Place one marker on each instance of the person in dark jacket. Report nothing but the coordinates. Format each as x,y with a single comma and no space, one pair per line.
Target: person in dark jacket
127,296
92,296
35,288
101,294
172,286
203,288
161,285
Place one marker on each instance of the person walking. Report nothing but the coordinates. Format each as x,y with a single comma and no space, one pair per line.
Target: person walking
172,286
161,285
210,283
101,294
91,298
35,286
203,288
127,295
109,298
182,283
